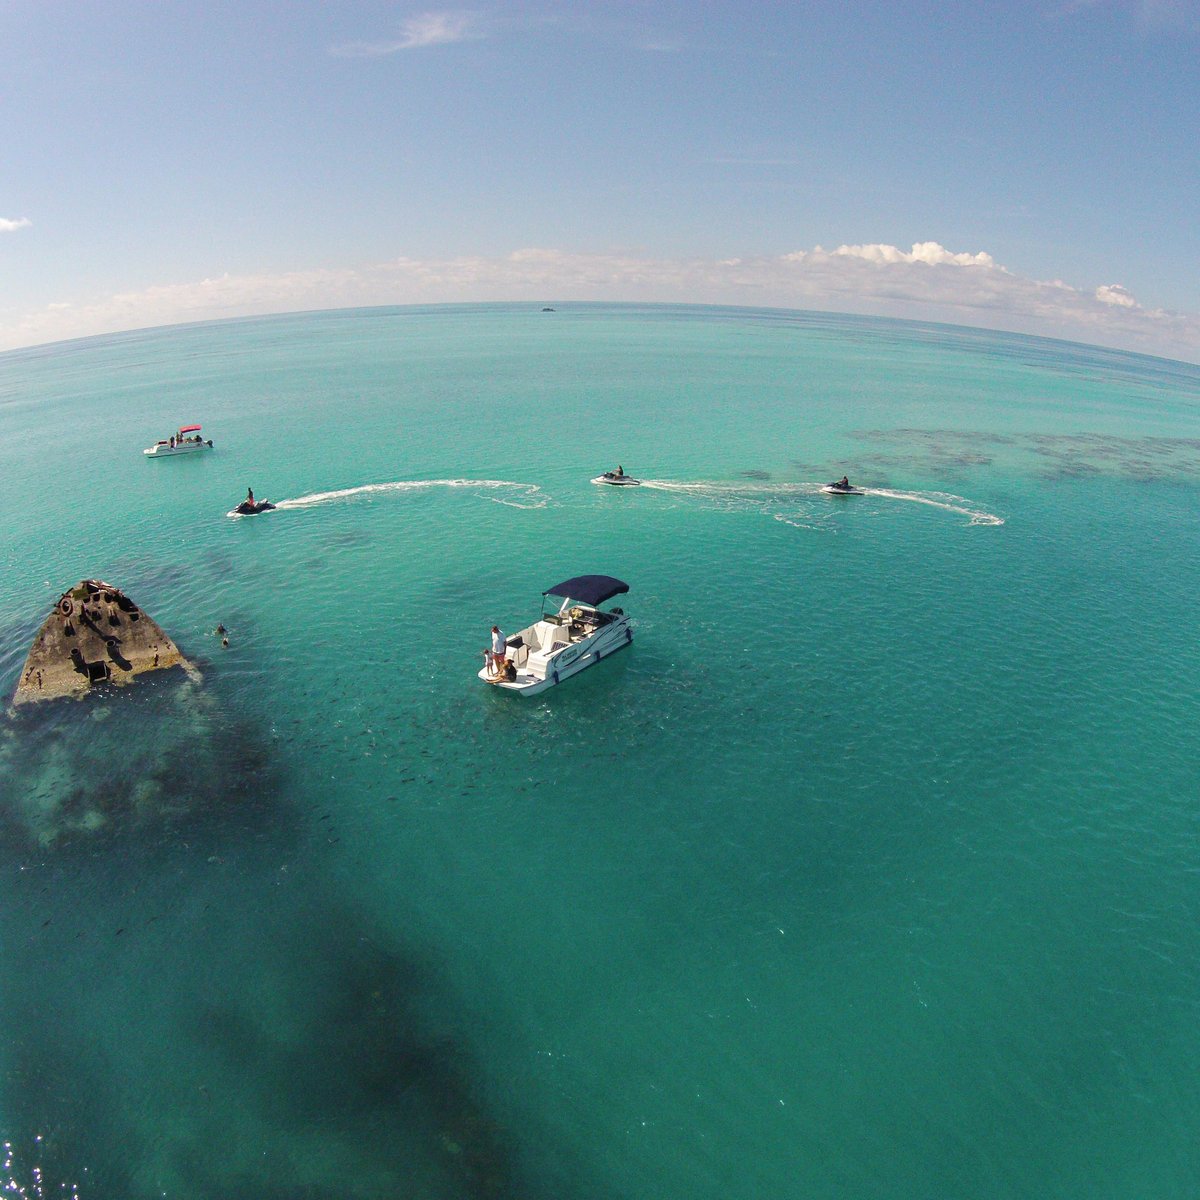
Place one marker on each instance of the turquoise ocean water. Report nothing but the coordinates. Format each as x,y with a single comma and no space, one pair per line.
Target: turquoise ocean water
872,869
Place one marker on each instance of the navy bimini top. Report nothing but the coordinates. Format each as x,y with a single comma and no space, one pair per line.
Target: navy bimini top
588,589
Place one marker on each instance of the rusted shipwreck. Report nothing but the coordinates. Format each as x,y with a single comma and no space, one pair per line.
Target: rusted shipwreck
95,634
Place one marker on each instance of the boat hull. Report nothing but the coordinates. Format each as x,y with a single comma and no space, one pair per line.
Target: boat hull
617,481
163,450
571,660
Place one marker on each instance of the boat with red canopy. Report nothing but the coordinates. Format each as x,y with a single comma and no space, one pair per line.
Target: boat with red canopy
186,441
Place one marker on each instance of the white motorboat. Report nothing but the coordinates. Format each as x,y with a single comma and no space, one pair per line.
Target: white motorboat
561,643
186,441
617,479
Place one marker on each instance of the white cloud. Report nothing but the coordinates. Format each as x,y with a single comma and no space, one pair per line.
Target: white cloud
931,253
10,225
424,29
1114,293
928,283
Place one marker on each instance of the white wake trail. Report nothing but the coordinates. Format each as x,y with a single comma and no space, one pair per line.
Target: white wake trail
943,500
516,495
760,495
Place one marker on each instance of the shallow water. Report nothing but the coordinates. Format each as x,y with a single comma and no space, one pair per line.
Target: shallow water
869,868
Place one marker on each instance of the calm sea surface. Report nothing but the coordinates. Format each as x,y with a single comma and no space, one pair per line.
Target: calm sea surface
872,869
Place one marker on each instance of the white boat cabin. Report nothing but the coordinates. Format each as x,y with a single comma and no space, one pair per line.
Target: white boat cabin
568,639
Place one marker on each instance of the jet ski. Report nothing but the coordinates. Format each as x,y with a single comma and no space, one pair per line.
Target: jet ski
251,508
616,480
842,489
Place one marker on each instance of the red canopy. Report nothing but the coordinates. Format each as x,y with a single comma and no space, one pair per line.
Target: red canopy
189,429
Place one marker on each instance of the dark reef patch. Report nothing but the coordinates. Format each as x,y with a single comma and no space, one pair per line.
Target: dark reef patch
153,762
200,1012
295,1050
1047,456
363,1054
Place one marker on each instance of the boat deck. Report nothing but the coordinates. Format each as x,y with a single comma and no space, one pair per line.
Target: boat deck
535,652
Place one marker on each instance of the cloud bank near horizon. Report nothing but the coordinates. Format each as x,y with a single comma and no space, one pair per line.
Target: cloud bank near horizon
927,282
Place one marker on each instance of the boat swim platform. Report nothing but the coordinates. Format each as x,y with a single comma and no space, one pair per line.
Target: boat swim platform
94,635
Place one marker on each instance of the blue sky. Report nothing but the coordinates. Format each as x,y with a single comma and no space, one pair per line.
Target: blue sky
1028,166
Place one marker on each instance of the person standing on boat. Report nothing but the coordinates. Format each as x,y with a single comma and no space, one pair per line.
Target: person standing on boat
499,650
249,495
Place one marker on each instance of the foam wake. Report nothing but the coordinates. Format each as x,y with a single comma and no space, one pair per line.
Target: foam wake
944,500
499,491
807,504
